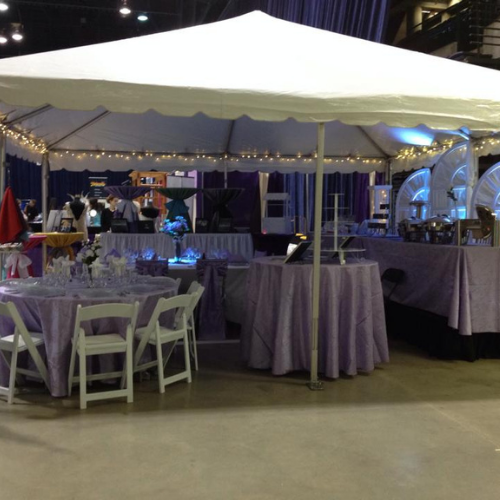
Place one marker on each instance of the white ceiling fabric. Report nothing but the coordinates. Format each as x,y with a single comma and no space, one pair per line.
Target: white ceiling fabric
273,75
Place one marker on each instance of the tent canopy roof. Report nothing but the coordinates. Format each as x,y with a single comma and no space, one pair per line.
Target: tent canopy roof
157,86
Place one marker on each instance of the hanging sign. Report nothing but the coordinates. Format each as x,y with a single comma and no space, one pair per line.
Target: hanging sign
97,185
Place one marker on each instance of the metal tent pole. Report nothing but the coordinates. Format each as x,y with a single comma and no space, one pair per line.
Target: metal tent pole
45,189
314,383
3,166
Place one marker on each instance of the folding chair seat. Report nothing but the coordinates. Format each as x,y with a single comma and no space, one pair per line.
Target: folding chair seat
20,341
110,343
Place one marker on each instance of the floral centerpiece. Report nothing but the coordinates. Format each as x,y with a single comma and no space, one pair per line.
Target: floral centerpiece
89,252
176,228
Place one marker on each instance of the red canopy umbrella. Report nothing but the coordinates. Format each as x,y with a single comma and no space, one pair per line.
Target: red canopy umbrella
13,227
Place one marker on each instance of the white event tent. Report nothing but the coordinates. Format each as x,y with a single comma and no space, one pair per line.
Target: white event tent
208,90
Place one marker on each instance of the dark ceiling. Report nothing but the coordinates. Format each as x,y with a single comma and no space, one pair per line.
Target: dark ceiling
57,24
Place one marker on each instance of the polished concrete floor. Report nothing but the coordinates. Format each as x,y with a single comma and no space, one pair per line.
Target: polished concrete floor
416,428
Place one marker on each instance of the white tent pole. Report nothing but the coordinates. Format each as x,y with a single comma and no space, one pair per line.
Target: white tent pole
3,166
472,178
308,215
315,384
225,174
45,189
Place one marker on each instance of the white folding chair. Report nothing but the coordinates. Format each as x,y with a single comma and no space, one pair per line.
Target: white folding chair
21,340
156,335
109,343
196,291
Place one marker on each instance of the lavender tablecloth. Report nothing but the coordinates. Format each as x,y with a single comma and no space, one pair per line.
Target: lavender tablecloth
55,318
276,331
236,244
459,283
235,286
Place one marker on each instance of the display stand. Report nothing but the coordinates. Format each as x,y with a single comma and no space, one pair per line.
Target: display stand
378,223
340,243
152,198
277,225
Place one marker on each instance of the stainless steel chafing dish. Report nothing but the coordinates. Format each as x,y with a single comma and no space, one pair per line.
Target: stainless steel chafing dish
440,229
479,231
412,229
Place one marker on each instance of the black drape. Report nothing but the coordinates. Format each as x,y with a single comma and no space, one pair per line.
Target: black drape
25,179
360,18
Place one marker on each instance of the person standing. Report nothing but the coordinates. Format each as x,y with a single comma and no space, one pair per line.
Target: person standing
31,211
108,213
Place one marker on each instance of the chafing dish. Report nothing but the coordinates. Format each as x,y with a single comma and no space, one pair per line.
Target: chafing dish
439,229
478,231
412,229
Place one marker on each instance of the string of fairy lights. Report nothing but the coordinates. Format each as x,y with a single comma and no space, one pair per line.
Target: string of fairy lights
34,144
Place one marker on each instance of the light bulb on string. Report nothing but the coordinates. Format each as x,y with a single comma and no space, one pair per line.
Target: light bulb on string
17,32
125,10
4,6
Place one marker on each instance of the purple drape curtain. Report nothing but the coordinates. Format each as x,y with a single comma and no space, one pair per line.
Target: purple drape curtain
360,18
244,208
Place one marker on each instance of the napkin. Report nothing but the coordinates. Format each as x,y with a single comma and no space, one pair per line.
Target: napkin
97,268
66,267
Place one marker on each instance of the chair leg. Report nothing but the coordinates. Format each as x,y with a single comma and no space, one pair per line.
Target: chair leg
187,357
159,357
12,377
129,367
83,379
193,345
71,369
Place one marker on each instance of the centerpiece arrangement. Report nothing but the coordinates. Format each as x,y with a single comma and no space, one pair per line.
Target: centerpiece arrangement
89,253
176,228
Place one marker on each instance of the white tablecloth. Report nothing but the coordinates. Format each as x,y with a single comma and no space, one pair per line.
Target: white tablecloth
276,332
236,244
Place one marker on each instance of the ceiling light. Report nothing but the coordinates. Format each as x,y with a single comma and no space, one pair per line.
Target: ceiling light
17,32
142,17
4,6
125,10
3,38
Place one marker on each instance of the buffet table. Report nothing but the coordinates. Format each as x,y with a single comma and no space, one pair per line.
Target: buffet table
461,284
54,316
235,243
276,331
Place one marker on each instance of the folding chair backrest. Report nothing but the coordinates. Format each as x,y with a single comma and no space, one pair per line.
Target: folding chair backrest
195,298
106,311
9,310
193,287
179,302
126,311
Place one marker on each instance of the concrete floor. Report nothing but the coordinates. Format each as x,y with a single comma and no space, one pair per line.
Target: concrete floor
416,428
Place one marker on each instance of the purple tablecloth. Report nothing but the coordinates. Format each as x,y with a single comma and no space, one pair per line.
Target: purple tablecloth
55,318
152,267
276,332
459,283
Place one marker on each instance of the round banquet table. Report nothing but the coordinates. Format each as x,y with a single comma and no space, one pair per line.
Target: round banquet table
55,318
277,326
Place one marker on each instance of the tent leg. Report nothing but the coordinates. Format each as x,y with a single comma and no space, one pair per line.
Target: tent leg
45,190
314,383
3,169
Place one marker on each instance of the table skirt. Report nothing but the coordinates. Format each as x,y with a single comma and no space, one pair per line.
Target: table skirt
277,327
